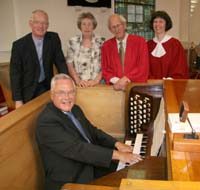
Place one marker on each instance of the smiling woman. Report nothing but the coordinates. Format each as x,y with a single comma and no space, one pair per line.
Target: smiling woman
90,3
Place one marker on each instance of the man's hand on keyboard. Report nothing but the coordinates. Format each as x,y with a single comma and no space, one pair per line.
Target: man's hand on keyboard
126,157
123,147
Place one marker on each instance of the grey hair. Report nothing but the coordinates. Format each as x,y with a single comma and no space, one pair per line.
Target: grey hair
89,16
60,77
121,18
38,11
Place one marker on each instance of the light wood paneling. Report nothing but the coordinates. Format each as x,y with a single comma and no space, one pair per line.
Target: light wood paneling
71,186
183,154
20,163
132,184
104,107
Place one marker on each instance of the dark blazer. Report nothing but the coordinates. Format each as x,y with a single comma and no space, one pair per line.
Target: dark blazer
25,68
67,156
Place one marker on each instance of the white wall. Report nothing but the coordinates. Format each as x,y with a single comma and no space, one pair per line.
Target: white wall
7,30
195,25
14,16
179,13
62,18
173,11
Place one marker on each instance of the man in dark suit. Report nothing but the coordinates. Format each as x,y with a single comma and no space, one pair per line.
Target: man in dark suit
32,59
71,154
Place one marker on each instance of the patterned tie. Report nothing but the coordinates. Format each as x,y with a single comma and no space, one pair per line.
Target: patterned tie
39,52
121,52
78,125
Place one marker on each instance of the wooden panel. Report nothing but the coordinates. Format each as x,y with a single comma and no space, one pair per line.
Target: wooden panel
188,145
179,166
193,164
20,162
179,90
71,186
2,99
7,96
147,167
5,84
4,74
104,107
183,154
128,184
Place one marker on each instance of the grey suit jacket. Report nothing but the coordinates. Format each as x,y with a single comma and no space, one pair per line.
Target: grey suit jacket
67,156
24,64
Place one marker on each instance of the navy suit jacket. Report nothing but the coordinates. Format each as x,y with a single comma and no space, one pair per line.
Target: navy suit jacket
25,68
67,156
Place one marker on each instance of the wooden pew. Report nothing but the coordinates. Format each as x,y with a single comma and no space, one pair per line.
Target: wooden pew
20,163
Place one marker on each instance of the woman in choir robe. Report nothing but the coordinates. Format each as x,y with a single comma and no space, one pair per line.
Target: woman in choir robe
84,53
166,54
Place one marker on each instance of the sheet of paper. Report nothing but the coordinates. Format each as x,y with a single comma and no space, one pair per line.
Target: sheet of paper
177,126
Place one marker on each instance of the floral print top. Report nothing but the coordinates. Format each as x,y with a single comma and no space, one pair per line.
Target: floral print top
87,61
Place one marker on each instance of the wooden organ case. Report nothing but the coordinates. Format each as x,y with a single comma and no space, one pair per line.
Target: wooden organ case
141,108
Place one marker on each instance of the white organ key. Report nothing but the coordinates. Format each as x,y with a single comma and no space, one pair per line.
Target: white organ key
137,145
136,149
122,165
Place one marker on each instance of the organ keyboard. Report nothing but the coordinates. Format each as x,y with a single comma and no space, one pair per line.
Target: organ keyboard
142,105
140,147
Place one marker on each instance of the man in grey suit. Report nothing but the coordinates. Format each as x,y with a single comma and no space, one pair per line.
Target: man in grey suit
71,152
32,59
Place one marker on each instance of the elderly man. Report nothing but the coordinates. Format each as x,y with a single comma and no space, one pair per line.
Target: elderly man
72,149
125,56
32,59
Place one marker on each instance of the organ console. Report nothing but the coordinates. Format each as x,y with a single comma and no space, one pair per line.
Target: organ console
141,107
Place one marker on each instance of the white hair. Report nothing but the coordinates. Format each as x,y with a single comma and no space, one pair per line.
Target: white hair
59,77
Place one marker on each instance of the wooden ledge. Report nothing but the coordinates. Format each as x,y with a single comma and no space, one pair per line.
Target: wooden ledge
185,145
71,186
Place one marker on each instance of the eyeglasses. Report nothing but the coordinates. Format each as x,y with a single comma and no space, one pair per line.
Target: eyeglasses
86,24
116,26
62,93
36,22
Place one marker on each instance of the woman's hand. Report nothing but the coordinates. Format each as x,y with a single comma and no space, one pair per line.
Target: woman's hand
87,83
